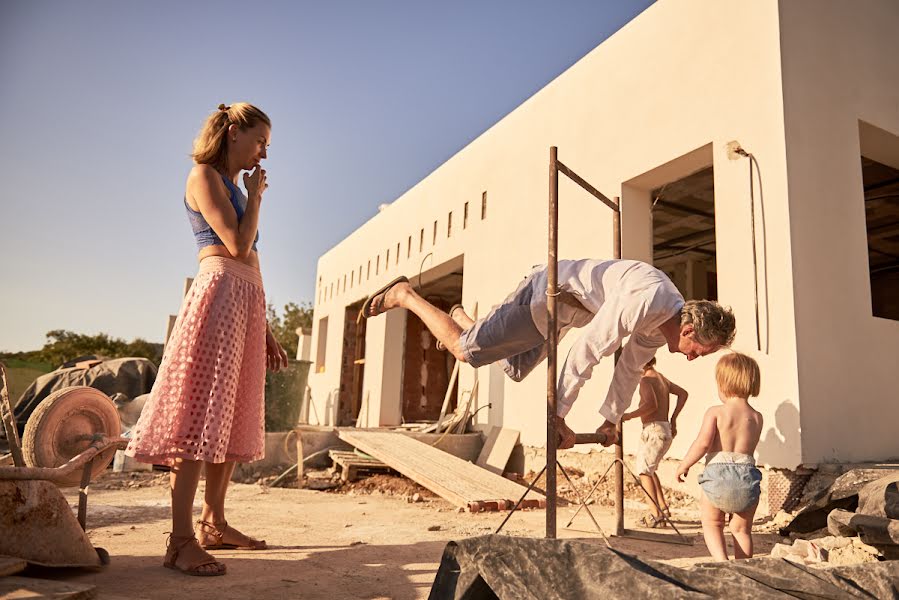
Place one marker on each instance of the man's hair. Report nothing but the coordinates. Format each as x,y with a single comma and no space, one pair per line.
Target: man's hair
650,363
738,375
712,323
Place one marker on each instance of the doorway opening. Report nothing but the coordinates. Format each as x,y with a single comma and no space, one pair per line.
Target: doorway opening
427,370
683,234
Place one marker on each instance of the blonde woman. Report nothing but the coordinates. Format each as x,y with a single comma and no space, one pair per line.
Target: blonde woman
206,407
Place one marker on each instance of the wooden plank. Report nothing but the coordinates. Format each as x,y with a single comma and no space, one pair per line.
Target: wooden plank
10,565
497,449
459,481
29,587
351,463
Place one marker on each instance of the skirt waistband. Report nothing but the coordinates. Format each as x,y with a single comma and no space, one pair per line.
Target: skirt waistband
734,458
220,264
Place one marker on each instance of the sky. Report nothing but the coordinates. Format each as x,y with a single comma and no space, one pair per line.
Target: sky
100,102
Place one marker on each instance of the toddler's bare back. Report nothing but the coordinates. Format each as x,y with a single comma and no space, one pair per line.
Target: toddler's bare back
739,427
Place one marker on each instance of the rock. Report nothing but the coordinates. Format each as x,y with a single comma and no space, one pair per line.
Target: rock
781,551
830,542
838,523
416,497
852,554
871,530
880,498
434,528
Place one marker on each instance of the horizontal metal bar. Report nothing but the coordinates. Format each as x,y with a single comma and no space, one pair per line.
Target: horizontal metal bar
583,183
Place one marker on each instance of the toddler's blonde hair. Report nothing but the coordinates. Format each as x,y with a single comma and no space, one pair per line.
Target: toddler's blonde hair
738,375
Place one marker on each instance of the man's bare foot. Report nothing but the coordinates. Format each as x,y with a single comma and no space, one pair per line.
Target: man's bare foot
457,313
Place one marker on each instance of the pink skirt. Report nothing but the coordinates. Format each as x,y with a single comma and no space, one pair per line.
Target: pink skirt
208,399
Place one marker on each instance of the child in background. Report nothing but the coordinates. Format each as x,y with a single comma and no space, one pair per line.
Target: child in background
728,438
655,440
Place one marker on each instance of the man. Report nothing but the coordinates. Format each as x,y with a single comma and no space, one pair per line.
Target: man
658,431
609,299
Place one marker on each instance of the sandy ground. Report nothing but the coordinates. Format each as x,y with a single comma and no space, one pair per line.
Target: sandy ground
322,545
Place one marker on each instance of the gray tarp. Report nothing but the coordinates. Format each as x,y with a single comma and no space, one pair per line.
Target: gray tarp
525,568
130,377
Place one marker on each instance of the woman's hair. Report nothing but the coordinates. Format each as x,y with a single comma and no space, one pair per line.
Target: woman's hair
738,375
211,145
712,323
650,363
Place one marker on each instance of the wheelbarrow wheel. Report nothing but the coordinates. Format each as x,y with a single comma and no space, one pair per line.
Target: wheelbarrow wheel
61,428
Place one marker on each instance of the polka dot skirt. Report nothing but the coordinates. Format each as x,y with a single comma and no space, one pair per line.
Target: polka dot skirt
208,399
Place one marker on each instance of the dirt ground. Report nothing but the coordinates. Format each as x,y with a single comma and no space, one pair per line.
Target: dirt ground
346,543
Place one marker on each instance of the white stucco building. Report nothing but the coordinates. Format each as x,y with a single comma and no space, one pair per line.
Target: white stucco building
809,87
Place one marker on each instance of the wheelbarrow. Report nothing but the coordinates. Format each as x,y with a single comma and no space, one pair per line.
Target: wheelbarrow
69,439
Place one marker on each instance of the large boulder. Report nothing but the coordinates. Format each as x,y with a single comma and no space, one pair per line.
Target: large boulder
880,498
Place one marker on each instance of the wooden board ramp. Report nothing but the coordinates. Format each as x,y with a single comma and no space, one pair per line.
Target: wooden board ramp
458,481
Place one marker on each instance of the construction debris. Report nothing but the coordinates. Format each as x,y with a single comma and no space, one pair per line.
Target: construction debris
833,550
843,494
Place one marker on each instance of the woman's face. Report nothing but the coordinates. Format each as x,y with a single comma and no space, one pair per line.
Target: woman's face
250,146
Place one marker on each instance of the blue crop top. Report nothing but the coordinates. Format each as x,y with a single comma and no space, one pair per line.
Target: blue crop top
203,232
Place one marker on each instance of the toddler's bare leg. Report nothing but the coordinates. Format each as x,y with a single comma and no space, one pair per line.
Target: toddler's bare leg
741,529
713,529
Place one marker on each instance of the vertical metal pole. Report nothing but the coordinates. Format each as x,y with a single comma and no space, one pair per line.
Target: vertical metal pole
82,493
552,266
619,447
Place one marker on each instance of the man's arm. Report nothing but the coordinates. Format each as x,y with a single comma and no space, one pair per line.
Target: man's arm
648,402
681,394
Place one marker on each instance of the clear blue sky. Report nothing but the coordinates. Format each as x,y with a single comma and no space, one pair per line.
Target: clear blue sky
100,101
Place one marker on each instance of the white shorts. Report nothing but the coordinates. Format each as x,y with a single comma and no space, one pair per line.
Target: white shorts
654,443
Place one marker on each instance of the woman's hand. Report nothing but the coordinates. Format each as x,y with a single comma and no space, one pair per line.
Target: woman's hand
682,470
255,182
275,356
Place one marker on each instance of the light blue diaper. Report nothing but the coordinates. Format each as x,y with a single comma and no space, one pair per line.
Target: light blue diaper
731,481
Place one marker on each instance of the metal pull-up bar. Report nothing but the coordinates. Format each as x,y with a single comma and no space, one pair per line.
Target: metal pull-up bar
552,342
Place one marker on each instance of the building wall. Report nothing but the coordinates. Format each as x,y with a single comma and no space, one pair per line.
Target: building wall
655,102
839,64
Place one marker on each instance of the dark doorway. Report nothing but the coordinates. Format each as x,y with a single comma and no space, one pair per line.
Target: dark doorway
426,369
683,234
352,367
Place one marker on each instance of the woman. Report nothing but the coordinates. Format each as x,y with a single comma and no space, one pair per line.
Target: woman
206,407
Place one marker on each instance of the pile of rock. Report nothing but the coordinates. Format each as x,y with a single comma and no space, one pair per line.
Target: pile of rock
832,550
876,520
866,533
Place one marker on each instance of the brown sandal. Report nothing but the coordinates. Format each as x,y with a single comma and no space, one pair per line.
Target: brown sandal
173,548
212,535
